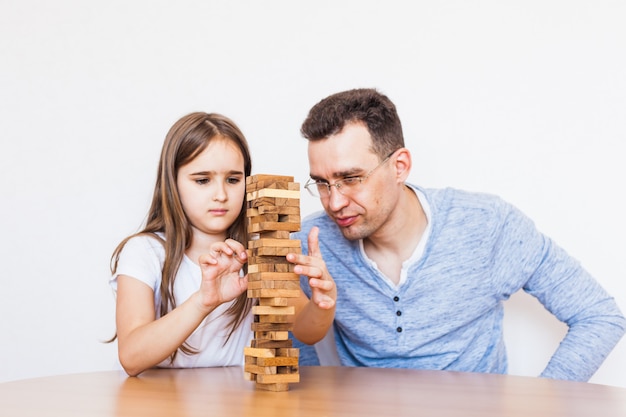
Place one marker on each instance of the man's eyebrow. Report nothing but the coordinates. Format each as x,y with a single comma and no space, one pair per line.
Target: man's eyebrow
340,174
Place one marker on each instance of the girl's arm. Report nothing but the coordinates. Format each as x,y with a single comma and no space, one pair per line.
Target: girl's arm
313,317
143,341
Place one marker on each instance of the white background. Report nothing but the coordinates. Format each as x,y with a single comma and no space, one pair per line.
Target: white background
525,99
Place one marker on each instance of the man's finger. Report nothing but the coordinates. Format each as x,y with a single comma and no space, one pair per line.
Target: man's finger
314,246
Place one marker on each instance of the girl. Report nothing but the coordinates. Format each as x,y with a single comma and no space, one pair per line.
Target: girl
181,296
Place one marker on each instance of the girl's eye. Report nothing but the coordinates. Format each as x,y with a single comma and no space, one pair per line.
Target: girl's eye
202,181
234,180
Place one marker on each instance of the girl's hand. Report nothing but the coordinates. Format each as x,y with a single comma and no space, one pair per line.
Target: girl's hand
221,273
323,289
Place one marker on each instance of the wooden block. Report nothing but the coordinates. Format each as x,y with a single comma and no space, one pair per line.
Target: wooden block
274,234
256,211
258,202
265,284
273,193
267,327
278,361
287,369
273,293
273,226
275,260
273,251
272,335
291,352
271,318
273,201
269,242
277,183
265,251
267,217
260,370
289,218
287,267
291,202
274,311
264,177
271,344
273,184
275,301
272,387
254,268
259,352
269,267
278,378
272,276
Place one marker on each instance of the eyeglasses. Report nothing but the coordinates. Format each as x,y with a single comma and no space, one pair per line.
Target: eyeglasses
345,186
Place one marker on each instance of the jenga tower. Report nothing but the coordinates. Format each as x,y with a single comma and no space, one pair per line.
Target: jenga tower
273,212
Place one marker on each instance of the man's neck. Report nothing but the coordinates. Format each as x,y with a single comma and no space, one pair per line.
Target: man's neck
394,243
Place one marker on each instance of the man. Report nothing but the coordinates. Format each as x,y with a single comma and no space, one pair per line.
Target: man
422,274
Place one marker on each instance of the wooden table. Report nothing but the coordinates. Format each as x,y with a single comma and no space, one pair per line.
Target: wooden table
322,391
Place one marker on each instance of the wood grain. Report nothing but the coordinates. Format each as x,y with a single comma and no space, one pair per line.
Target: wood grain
322,391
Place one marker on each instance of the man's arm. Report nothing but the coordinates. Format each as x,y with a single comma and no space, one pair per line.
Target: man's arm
315,316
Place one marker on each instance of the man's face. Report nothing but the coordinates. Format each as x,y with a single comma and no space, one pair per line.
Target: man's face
362,208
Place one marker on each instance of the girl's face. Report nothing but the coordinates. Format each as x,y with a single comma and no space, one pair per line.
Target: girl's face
212,188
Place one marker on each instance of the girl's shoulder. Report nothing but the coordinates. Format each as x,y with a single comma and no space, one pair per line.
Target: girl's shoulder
148,239
142,258
149,245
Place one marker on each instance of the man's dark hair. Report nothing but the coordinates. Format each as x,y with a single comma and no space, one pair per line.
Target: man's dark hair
364,105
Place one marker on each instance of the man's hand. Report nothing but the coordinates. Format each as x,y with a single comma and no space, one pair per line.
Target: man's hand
323,290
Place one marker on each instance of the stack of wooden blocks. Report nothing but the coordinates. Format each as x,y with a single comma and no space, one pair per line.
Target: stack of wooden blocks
273,212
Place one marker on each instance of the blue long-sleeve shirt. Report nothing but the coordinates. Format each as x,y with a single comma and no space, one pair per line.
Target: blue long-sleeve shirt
448,314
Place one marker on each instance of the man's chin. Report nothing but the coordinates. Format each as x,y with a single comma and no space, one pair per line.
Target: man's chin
351,233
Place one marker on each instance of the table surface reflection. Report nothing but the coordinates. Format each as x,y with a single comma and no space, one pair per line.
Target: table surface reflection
322,391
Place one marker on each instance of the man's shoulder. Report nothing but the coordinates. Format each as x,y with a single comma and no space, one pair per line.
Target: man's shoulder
453,198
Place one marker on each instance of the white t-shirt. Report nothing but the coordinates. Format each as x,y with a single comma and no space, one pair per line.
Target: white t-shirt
142,258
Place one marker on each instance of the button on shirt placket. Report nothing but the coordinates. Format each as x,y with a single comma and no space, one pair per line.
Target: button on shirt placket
397,306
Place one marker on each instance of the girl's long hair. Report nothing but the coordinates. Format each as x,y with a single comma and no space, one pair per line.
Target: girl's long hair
186,139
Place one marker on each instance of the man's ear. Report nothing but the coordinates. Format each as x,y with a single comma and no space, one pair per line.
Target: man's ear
401,160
